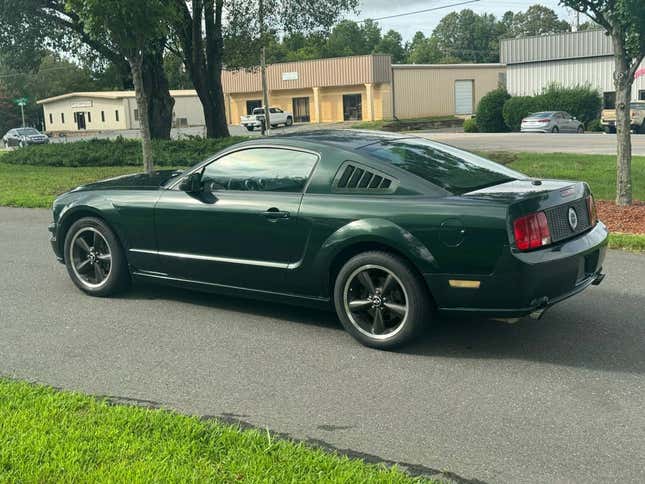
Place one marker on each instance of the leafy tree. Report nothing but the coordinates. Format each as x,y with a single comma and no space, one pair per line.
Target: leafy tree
424,50
132,28
346,39
624,21
371,34
391,43
537,20
468,36
29,29
197,25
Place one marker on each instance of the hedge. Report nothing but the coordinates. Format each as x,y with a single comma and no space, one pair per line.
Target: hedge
489,117
517,108
470,125
119,152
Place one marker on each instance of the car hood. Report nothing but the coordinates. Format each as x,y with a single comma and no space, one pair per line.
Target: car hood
139,181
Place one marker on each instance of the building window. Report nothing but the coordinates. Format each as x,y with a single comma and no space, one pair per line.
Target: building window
609,100
641,95
117,115
89,117
51,118
103,116
62,118
253,104
136,115
352,107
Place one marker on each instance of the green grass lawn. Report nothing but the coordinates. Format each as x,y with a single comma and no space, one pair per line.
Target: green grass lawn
401,124
38,186
597,170
52,436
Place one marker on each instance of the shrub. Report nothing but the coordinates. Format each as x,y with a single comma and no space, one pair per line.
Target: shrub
470,126
594,126
490,118
119,152
583,102
517,108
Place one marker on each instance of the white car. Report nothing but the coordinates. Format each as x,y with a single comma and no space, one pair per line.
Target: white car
277,115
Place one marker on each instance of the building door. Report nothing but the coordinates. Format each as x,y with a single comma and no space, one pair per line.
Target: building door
80,120
352,107
464,100
252,104
301,110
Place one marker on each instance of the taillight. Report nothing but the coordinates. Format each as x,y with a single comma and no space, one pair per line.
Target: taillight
531,231
543,120
591,208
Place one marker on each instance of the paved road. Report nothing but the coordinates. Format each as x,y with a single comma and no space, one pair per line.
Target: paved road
589,143
560,400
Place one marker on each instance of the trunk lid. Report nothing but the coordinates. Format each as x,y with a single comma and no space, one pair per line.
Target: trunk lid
563,202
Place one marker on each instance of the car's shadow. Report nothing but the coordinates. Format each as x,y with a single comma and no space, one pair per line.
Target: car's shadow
583,332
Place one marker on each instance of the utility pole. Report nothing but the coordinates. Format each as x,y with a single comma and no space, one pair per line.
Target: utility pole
263,69
22,112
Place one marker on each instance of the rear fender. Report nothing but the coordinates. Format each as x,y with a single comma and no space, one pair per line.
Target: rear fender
375,231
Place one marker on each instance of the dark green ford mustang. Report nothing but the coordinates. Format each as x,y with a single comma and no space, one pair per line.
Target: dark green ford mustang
388,229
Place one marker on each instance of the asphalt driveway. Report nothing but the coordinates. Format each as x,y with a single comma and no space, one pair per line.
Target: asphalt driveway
560,400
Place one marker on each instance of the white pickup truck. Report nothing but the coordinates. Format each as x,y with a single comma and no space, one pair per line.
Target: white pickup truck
277,115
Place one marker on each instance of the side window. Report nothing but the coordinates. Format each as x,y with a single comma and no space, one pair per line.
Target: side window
260,169
274,110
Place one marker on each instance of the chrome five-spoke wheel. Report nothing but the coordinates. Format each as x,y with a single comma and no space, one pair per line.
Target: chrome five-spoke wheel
91,257
376,301
94,258
381,300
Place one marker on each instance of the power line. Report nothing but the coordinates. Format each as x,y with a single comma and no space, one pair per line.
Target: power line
425,10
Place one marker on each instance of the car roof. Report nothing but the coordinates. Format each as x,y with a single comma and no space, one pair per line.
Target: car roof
347,139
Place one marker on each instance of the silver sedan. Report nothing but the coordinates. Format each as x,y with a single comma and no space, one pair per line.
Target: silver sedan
551,122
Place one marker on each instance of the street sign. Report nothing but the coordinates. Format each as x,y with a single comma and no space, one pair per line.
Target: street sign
21,101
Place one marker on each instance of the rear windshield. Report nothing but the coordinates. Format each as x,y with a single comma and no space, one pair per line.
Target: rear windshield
454,170
545,114
27,131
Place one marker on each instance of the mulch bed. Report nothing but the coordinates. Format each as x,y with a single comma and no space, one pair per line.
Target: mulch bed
629,220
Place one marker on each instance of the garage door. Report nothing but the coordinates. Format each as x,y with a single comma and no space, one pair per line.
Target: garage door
464,97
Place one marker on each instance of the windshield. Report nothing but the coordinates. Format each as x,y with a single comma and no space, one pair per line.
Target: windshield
27,131
452,169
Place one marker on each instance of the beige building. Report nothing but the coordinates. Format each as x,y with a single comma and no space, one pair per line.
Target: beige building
318,91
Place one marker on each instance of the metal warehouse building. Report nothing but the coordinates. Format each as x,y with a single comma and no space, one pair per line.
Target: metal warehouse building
532,63
325,90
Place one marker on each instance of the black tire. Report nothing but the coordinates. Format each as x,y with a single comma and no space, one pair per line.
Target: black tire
289,121
250,128
405,290
555,130
580,130
116,274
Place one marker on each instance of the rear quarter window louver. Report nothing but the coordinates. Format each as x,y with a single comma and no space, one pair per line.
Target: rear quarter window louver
356,178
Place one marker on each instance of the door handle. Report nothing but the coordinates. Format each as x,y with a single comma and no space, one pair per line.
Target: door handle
274,214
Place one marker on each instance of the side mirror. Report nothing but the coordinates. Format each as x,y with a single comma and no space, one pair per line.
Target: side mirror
192,183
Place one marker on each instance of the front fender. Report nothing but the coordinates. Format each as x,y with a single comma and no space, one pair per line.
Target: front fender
376,231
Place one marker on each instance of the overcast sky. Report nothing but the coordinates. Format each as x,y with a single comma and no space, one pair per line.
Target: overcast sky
426,22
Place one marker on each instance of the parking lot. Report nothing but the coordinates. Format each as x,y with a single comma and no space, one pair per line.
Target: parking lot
588,143
559,400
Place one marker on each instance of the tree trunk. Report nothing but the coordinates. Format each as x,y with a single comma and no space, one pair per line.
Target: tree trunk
136,64
155,85
623,85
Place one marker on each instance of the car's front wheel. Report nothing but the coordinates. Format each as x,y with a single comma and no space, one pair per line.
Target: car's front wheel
580,130
289,121
555,130
95,259
380,300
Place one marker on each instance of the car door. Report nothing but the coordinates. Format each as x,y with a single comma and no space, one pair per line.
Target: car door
569,122
277,116
243,229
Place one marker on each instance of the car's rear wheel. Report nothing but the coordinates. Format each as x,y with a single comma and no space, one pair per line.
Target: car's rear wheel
380,300
250,128
289,121
555,129
95,259
580,130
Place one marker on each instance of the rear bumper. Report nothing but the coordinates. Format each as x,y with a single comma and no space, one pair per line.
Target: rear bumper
526,282
535,130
